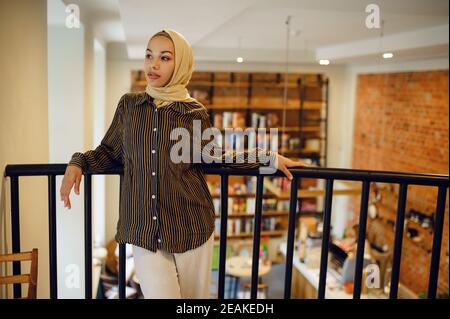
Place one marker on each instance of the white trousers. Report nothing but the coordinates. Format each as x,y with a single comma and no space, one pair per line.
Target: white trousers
164,275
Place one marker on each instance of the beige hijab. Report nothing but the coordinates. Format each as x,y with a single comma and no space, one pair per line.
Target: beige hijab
175,90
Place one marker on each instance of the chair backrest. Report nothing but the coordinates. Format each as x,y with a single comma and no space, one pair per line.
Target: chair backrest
30,278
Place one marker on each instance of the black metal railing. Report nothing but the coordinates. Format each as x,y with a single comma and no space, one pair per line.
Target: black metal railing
328,174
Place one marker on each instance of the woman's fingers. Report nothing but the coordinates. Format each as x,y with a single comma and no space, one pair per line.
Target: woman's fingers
67,203
286,172
77,185
284,163
66,187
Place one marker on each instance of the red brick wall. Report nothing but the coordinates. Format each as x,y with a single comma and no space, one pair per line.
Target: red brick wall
401,124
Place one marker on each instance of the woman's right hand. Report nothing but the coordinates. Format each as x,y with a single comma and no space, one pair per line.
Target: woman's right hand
71,177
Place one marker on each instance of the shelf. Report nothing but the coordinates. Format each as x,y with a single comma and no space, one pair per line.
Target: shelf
228,84
274,213
302,193
299,151
309,193
251,107
249,195
307,105
293,129
352,188
270,233
242,84
313,105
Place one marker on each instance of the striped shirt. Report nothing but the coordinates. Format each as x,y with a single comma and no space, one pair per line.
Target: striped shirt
163,204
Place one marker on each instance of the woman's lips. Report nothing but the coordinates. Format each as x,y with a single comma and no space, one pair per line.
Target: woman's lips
153,76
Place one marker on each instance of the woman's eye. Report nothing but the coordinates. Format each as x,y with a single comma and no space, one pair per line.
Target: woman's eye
147,56
166,58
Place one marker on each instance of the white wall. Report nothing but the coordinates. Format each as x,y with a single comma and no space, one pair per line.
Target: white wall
99,131
118,82
76,123
24,129
66,136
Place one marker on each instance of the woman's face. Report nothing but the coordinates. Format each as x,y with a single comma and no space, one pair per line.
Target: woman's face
159,61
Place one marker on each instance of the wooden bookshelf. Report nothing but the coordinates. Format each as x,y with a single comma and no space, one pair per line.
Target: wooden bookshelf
299,118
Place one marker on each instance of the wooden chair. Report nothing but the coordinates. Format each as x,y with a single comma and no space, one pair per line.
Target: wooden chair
30,278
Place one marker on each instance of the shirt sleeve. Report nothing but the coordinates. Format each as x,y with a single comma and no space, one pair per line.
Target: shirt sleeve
109,153
211,152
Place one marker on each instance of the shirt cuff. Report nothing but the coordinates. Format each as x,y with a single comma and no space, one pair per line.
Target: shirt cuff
78,160
267,158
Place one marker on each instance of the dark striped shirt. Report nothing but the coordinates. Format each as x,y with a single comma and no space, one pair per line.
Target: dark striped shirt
163,205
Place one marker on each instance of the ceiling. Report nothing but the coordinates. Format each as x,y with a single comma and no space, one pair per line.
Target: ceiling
256,29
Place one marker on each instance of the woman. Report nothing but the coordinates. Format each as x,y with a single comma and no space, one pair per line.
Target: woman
166,210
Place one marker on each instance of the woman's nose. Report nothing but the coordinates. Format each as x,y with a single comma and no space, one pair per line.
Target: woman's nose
155,65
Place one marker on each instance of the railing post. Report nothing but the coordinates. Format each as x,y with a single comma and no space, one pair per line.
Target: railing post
52,236
122,270
122,263
325,238
437,240
257,236
290,237
15,230
88,235
361,240
399,225
223,233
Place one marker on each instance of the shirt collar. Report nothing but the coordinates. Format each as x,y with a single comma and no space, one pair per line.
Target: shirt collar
180,107
144,97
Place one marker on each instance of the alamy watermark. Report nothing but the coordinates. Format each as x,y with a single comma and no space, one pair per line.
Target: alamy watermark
207,146
373,276
72,278
73,17
373,19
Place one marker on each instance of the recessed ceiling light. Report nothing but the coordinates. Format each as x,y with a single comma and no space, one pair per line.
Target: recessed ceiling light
240,59
324,62
388,55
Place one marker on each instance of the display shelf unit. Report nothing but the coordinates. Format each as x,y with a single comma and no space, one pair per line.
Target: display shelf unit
297,106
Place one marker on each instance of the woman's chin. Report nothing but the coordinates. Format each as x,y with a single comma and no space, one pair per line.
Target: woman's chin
154,84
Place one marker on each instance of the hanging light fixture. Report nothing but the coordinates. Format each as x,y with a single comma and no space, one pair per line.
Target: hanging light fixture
286,70
239,58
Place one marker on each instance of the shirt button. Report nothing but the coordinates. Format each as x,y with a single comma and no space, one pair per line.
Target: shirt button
153,173
154,129
153,196
154,217
159,240
153,151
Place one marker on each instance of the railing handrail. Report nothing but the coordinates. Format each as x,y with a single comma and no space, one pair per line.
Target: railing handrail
305,172
328,174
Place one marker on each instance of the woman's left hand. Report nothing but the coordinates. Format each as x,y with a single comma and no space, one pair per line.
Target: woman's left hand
283,163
